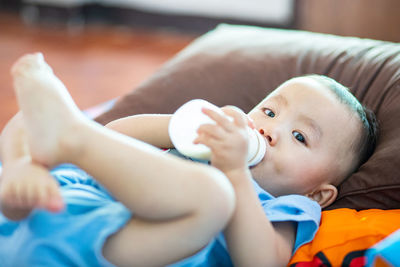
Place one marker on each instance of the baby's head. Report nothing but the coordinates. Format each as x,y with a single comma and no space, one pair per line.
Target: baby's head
317,134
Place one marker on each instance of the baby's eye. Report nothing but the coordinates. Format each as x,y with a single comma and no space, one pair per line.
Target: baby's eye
269,112
299,137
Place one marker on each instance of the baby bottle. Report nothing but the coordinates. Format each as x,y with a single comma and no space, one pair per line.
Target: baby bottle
188,118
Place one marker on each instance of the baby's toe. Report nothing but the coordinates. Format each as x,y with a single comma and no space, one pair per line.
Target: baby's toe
29,63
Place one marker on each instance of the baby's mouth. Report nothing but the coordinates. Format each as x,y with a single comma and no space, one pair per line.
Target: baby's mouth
267,149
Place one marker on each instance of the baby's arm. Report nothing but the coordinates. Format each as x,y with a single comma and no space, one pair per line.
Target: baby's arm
149,128
252,239
24,185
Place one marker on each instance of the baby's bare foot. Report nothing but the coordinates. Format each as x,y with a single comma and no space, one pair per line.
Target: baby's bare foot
25,186
50,114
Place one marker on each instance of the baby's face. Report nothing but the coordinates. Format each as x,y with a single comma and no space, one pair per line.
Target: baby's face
308,134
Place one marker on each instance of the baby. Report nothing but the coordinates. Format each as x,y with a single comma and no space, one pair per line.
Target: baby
151,208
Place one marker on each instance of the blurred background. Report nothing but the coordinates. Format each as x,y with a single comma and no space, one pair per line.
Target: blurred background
102,49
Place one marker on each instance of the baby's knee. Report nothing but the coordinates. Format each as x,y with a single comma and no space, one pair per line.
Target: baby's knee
217,198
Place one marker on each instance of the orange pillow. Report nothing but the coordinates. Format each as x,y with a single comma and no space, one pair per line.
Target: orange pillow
344,236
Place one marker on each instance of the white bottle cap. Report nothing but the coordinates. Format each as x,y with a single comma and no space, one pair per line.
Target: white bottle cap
183,128
257,147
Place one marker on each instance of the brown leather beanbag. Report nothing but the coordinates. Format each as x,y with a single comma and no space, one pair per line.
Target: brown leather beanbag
240,65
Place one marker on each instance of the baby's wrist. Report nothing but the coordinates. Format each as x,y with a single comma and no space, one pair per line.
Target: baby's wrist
239,176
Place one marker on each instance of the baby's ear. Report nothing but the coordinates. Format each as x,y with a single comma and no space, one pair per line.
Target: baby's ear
324,195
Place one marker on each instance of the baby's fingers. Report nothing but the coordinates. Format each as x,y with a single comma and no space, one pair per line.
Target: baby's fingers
54,201
239,117
48,195
42,196
7,193
212,131
27,194
31,194
14,194
219,118
208,141
24,197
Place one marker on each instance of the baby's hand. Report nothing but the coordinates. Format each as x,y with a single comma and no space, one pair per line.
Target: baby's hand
227,139
25,186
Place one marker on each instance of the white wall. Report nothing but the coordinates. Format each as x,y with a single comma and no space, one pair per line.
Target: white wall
60,3
263,11
268,11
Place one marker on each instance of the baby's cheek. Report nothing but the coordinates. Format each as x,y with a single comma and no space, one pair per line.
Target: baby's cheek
280,167
313,177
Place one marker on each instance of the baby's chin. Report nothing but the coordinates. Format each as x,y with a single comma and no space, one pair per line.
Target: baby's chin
259,170
254,171
257,173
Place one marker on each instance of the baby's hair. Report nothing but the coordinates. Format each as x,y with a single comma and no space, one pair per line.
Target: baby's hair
369,135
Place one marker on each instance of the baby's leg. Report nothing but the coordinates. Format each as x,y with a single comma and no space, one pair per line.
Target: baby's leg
178,205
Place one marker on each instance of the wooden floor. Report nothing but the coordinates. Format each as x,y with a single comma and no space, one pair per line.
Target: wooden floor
97,63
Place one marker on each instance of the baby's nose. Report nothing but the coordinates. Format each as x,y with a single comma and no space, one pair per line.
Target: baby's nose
271,141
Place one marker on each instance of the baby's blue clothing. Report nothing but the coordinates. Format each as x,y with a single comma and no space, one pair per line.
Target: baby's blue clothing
75,237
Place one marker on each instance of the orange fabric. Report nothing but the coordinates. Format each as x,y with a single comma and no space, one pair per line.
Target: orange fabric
344,235
381,263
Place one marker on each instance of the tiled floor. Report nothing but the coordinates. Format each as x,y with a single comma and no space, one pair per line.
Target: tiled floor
97,63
